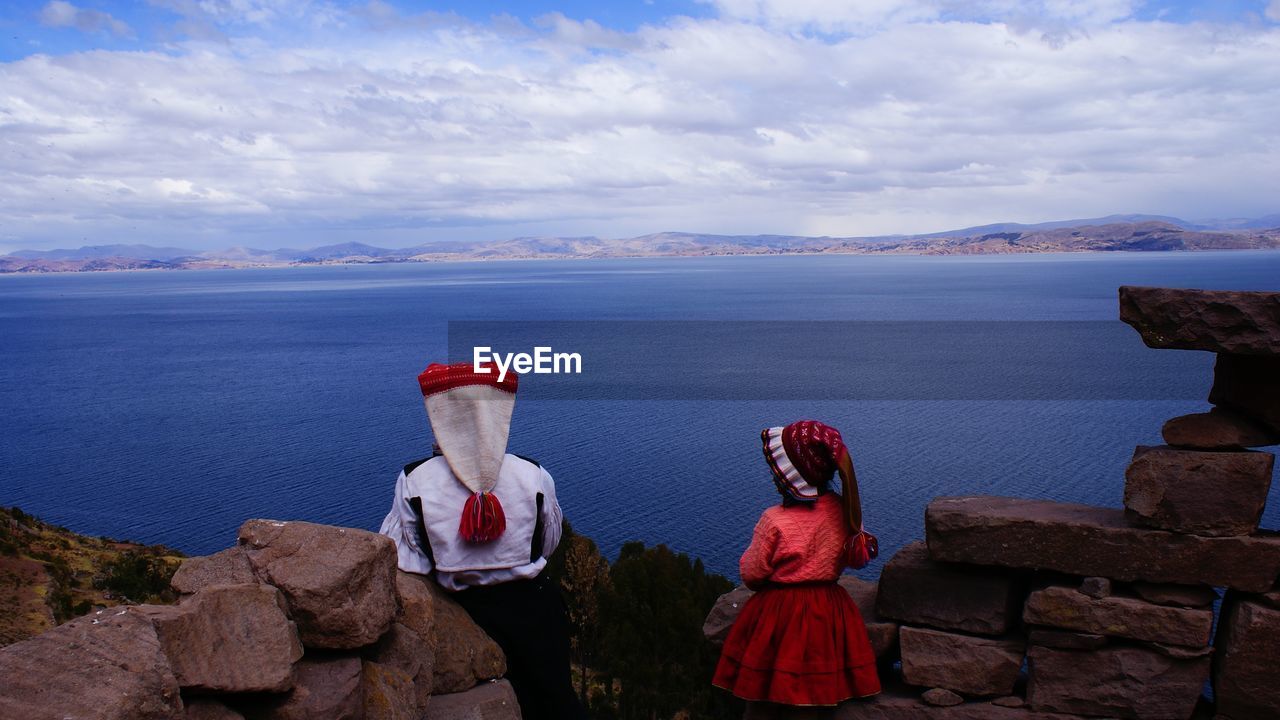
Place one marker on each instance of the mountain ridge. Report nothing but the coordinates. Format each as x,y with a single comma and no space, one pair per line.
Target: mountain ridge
1110,233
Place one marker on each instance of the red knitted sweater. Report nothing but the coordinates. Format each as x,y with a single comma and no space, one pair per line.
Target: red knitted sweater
796,544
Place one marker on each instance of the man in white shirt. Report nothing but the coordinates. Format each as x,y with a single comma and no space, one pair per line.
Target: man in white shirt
482,522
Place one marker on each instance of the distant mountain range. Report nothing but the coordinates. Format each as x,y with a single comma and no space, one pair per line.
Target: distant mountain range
1111,233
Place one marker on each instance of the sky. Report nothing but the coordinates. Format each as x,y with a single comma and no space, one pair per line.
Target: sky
272,123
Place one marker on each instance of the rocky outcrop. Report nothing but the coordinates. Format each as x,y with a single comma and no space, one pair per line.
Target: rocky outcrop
297,622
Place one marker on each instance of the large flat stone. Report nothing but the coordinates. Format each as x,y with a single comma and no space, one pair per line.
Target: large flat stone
1092,541
1197,491
1116,616
105,666
915,589
487,701
962,663
463,654
1246,681
1115,682
1220,321
229,639
1249,385
339,583
1217,429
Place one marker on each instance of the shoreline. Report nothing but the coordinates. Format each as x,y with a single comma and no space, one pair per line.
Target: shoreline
462,260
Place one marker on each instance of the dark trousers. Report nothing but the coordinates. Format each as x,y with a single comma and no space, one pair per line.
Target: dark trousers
527,619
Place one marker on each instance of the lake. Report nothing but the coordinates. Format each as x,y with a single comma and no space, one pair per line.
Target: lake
168,407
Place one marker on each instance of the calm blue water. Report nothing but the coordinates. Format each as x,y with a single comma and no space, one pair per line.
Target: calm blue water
169,407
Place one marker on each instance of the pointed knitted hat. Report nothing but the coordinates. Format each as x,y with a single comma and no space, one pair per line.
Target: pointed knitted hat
803,456
470,416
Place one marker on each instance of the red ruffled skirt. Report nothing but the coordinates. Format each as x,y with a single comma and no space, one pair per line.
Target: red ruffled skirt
798,645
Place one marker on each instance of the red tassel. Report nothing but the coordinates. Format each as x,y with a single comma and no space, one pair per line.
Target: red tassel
482,519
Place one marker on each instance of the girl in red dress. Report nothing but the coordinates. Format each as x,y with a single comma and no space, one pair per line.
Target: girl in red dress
800,639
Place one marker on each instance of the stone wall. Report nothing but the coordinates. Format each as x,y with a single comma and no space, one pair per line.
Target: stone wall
1017,609
296,622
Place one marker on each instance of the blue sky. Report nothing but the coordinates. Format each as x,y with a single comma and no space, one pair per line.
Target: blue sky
210,123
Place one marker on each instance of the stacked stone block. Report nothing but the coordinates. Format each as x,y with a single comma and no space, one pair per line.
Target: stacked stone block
297,621
1112,610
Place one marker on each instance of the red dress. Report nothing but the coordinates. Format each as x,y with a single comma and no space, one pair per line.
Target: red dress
800,639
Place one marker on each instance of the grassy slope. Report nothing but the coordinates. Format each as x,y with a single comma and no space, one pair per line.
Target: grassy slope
49,574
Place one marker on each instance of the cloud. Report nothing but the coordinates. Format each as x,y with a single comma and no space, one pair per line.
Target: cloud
434,127
59,13
1273,10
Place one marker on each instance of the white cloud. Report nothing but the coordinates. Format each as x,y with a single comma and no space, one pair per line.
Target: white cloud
1273,10
434,127
59,13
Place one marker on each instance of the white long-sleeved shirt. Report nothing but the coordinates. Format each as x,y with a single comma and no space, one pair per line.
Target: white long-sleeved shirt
439,498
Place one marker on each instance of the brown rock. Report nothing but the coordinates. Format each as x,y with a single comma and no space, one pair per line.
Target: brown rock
326,686
229,567
464,654
417,603
1096,587
1066,640
1193,491
105,666
1009,701
488,701
1220,321
1088,541
1217,429
229,639
1063,607
941,697
1195,596
406,651
723,614
388,693
962,663
1121,682
915,589
1248,645
1249,385
201,708
882,633
339,582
